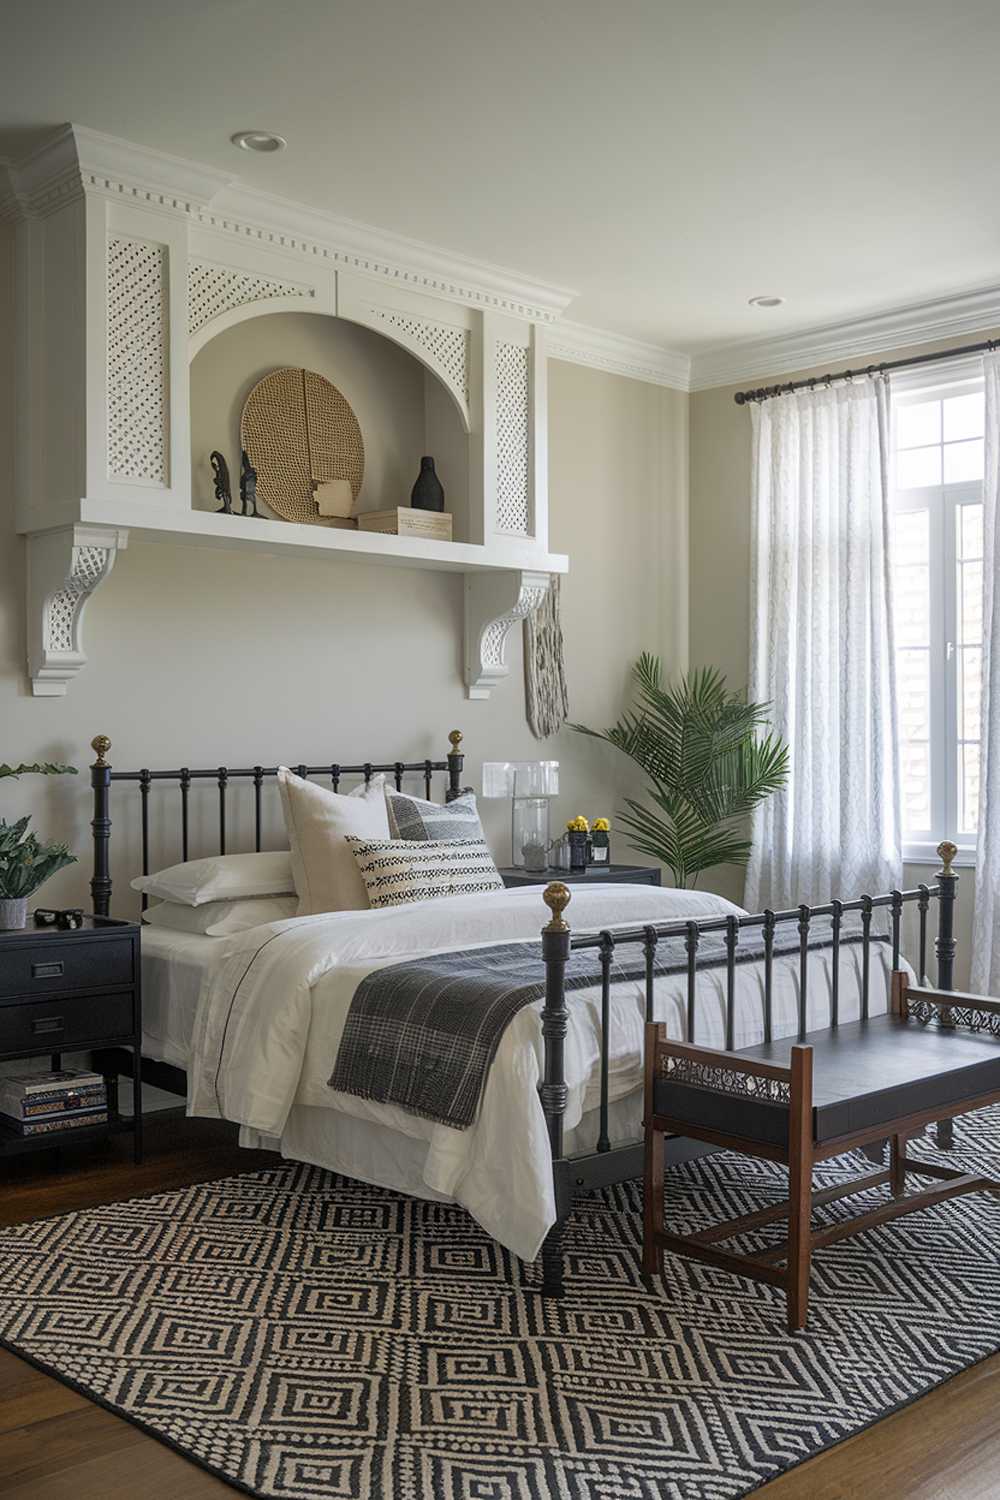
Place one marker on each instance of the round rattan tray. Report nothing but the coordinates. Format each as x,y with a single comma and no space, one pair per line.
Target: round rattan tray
300,430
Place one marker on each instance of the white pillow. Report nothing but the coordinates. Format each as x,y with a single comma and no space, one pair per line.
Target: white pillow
221,877
397,871
317,821
221,918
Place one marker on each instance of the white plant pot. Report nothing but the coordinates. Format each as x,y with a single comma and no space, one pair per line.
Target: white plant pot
13,913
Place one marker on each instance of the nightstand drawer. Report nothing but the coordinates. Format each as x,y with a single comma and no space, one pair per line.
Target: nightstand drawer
47,965
64,1021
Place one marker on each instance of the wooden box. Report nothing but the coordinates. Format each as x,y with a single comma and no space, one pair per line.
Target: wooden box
406,520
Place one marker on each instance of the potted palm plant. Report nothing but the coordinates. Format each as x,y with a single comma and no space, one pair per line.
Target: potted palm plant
25,862
709,760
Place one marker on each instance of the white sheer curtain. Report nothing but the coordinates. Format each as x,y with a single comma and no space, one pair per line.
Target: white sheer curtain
985,938
821,646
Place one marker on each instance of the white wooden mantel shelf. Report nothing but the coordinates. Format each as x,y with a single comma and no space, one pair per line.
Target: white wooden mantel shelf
128,262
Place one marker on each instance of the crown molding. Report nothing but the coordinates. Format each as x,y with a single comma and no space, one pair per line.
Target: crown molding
618,355
118,169
289,226
949,317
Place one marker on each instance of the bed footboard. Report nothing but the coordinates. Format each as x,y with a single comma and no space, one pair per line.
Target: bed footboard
608,1164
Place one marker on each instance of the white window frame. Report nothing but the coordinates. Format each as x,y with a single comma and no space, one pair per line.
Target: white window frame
942,502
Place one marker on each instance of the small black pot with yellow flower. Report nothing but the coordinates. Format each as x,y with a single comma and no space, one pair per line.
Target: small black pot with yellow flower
600,842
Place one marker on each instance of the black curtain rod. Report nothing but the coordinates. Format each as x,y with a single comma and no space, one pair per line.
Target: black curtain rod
765,392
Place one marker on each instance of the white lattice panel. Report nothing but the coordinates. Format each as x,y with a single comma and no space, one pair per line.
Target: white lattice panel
213,290
137,361
88,570
512,513
444,346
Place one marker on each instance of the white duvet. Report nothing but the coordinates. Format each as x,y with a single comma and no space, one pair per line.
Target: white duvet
272,1011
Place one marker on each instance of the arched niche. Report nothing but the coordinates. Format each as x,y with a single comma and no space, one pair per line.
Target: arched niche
403,408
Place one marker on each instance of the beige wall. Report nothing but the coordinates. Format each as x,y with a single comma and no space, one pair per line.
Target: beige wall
201,657
720,558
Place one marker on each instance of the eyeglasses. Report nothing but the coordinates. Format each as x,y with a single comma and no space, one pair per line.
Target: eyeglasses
67,920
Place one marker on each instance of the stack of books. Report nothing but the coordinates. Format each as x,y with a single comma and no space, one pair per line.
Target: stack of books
44,1103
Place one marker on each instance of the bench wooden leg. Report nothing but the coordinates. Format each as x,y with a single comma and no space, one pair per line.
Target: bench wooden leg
800,1167
897,1165
653,1191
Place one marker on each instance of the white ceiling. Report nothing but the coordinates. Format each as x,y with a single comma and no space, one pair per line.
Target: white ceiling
667,159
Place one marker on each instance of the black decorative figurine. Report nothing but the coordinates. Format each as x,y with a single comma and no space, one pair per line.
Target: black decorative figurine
427,493
223,489
248,486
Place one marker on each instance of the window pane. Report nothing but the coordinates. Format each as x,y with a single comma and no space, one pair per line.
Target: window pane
968,789
962,461
912,537
963,417
917,423
916,769
970,531
970,603
913,689
970,673
917,468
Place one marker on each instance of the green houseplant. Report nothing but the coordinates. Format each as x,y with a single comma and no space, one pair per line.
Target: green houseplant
710,761
25,862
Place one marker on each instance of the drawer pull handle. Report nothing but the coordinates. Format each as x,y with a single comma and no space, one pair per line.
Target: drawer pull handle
47,1026
47,971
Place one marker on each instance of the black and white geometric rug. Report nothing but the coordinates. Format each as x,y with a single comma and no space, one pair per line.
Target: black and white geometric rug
306,1337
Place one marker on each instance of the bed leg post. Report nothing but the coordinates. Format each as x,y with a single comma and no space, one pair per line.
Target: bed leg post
456,760
100,781
552,1262
944,949
552,1089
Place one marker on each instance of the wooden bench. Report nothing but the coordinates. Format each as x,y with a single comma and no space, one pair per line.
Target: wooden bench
935,1055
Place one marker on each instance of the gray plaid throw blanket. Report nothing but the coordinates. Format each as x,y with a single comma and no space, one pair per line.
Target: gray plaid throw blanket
422,1034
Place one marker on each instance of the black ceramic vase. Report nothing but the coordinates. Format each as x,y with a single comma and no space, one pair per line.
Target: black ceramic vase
427,493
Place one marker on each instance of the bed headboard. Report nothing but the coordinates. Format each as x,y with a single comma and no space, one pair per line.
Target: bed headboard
102,775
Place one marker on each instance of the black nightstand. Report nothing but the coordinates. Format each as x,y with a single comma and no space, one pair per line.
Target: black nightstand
616,874
72,992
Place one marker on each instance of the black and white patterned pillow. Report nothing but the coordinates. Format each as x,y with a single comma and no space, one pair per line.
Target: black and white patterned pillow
413,818
396,871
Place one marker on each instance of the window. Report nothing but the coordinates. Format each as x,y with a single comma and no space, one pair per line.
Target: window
938,575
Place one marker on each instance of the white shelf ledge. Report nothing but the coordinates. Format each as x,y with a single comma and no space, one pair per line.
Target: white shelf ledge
205,528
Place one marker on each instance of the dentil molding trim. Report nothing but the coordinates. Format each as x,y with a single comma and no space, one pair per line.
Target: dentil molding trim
493,603
864,338
65,566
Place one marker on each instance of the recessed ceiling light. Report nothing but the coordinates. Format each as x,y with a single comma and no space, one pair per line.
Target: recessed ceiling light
766,301
258,140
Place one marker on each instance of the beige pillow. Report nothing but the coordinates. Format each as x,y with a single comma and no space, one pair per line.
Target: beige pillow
326,873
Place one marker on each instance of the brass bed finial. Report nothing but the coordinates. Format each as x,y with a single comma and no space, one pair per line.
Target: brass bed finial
557,897
946,853
455,739
102,745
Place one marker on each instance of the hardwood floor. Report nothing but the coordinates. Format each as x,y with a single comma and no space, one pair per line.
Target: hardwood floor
56,1445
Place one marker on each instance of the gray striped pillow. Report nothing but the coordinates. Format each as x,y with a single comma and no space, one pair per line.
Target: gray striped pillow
413,818
396,871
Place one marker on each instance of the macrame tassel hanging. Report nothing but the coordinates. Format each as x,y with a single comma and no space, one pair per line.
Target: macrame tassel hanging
544,673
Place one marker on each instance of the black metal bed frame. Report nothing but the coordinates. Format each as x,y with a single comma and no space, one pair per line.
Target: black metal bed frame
608,1163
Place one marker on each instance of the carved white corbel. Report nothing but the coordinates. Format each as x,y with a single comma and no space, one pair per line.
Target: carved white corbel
64,568
493,603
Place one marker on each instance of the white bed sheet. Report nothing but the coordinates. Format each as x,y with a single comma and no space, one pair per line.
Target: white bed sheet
268,1033
173,967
